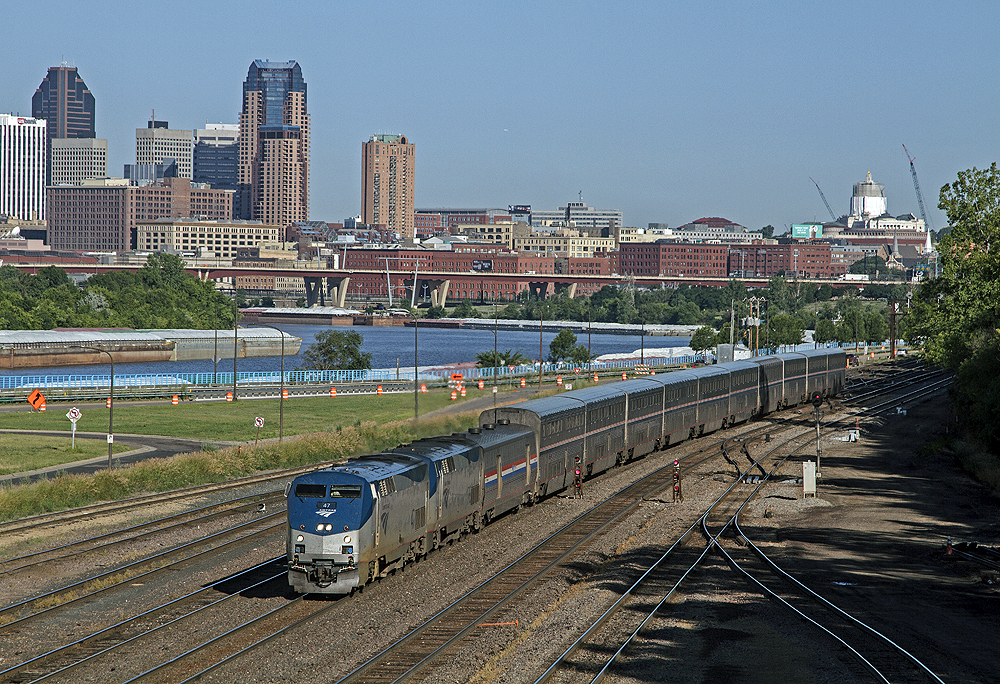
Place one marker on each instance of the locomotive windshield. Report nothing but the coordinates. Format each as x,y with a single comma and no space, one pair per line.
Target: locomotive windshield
317,491
339,491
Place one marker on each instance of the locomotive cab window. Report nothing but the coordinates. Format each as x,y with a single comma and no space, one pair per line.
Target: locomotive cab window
316,491
345,491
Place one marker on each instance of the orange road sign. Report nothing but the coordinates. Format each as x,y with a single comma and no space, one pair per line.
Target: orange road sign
36,400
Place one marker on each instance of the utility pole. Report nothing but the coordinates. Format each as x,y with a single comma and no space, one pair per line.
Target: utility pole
894,314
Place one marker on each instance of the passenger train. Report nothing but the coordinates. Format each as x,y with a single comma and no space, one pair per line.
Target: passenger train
353,523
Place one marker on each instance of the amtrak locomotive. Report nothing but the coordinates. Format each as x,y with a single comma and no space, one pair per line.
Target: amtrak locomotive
353,523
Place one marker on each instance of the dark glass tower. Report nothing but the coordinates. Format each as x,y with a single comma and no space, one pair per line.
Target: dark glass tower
67,106
274,145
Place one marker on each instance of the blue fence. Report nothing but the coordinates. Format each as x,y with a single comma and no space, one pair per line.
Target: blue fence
181,381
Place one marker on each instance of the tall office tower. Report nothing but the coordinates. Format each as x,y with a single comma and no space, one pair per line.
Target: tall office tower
158,141
67,106
72,160
387,175
274,145
216,155
22,167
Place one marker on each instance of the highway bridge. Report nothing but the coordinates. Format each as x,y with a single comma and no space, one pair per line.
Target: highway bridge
332,286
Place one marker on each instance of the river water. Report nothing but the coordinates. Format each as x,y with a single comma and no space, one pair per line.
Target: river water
387,345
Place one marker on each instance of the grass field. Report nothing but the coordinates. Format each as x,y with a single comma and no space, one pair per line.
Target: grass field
224,421
21,453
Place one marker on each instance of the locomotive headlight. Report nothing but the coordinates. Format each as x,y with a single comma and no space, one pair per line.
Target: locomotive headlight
319,528
300,538
329,528
347,539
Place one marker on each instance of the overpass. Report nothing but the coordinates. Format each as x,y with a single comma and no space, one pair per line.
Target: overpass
331,286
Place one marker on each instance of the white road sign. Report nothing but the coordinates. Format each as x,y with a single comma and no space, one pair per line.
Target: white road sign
74,414
258,421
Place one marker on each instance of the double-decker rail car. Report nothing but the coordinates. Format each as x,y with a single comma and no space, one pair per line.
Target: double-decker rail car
744,391
771,383
558,425
713,398
825,370
644,419
605,415
510,467
680,406
793,386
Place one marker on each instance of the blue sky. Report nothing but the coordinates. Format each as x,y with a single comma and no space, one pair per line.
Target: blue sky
668,111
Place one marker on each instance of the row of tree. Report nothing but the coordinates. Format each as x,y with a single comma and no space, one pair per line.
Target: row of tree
161,294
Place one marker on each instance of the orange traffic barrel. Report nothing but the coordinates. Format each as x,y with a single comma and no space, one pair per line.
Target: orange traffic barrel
523,383
229,396
333,391
454,395
174,400
378,390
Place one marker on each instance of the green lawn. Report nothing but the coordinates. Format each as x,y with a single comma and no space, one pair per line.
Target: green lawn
234,421
21,453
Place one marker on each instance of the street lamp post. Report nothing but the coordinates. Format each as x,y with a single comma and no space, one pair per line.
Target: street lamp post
281,383
236,320
111,405
415,373
496,358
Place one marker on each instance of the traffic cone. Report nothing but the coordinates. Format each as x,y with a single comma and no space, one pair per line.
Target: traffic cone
423,388
174,400
378,390
333,392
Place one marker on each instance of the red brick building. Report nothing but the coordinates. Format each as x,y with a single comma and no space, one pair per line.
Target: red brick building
801,259
668,258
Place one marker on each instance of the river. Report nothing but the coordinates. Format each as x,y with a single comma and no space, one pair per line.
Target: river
387,345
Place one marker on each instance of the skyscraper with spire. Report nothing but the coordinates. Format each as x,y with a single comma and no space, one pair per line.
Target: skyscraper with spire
67,106
274,145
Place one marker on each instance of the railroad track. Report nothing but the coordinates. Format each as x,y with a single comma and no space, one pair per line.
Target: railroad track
238,640
587,658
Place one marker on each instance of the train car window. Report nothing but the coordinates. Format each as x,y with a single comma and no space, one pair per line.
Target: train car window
316,491
345,491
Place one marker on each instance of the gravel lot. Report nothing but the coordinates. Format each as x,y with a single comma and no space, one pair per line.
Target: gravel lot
872,542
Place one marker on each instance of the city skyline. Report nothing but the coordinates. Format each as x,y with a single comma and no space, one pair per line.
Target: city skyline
666,112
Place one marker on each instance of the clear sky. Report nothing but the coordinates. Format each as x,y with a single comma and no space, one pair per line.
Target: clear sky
668,111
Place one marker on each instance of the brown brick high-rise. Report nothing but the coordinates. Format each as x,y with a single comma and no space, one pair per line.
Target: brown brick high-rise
274,145
67,106
387,175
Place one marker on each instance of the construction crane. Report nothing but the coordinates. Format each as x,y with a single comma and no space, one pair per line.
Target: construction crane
828,208
920,197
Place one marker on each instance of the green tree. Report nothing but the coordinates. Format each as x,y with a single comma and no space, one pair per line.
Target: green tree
876,327
767,231
561,347
785,329
337,350
465,310
503,357
956,315
436,312
825,332
704,338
